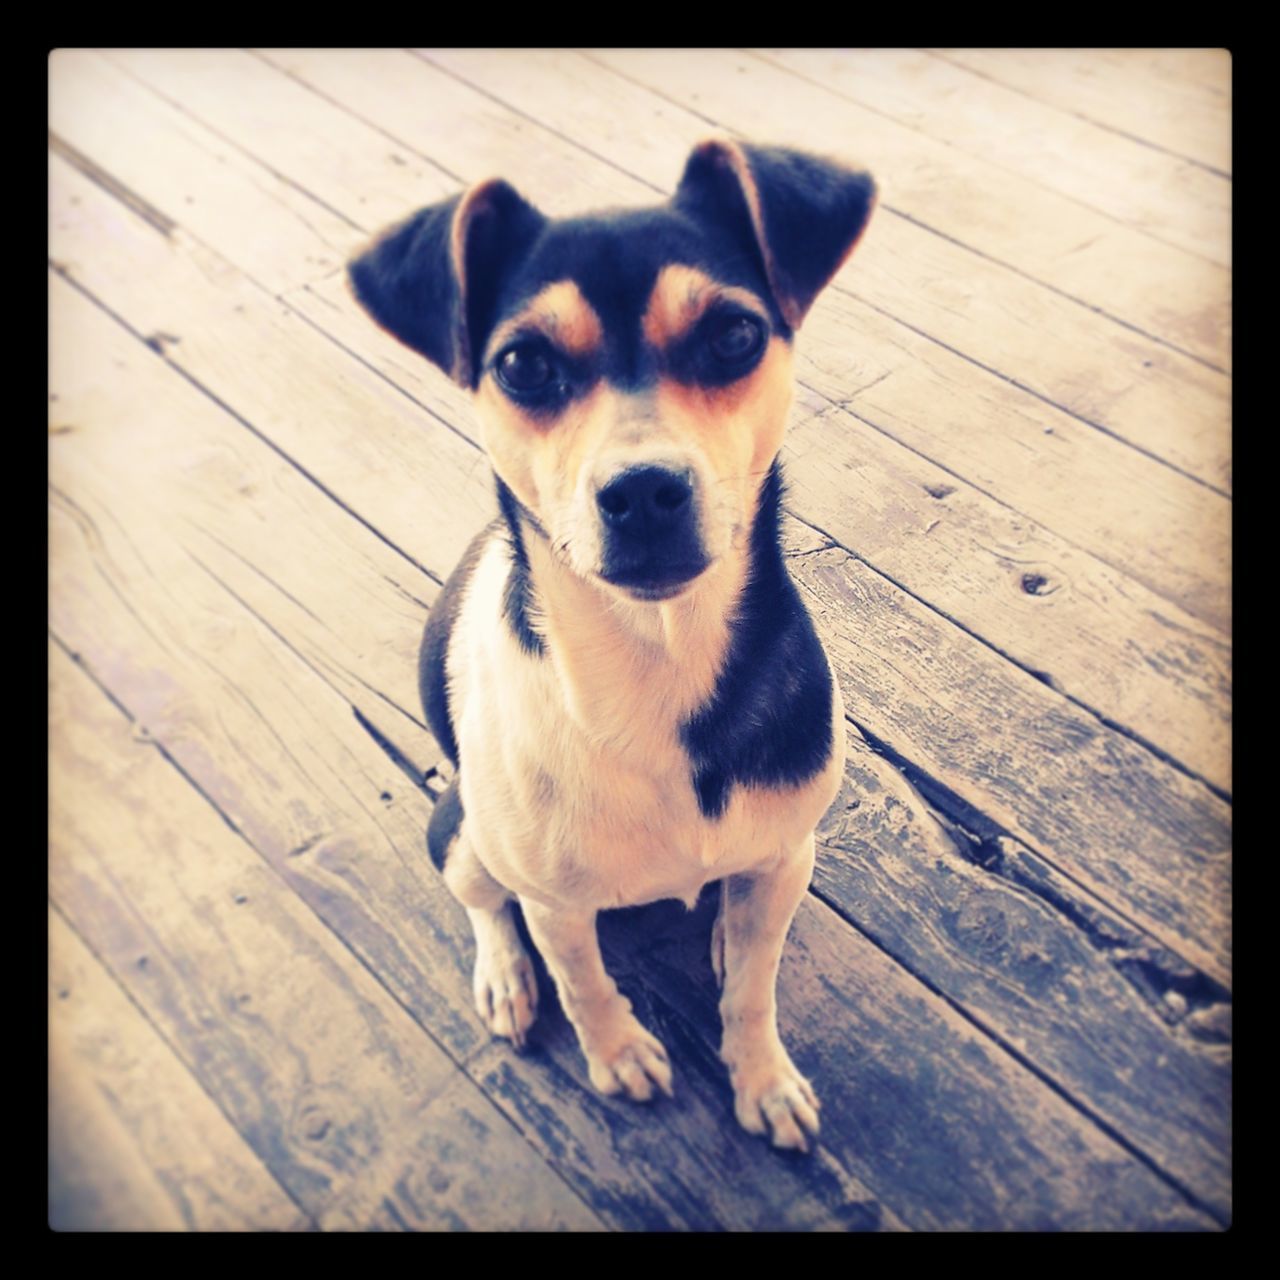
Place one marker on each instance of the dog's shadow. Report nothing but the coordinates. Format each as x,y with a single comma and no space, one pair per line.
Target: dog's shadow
660,957
681,1162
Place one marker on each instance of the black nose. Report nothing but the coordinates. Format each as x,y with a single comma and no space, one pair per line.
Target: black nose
645,501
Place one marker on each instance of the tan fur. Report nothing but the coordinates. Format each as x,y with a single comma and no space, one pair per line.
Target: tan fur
562,314
680,296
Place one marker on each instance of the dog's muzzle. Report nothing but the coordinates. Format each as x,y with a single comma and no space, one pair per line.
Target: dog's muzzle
650,523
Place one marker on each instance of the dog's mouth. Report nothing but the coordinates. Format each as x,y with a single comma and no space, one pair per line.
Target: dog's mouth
650,582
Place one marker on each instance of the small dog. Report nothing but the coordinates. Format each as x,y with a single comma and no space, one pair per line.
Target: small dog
620,667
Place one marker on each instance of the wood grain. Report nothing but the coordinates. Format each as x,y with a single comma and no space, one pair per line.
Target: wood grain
149,147
1151,191
1176,99
1065,982
1133,831
135,1144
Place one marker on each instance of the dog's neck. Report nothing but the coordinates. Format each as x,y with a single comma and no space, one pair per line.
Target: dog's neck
628,667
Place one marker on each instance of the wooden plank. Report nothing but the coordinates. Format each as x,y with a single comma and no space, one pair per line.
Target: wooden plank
154,563
1153,843
1203,68
244,102
1123,1025
1176,99
97,111
907,1082
1084,627
345,1100
1162,291
206,315
119,476
1171,199
968,773
1144,520
134,1143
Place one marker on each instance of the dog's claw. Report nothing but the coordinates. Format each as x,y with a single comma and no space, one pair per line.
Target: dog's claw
774,1097
633,1067
717,948
506,993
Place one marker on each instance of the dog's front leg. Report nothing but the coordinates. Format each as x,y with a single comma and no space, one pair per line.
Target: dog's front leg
622,1057
755,913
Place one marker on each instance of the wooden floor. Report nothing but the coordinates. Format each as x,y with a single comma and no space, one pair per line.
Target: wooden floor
1010,489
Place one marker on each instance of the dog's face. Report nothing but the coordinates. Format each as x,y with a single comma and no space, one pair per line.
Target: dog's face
633,393
632,370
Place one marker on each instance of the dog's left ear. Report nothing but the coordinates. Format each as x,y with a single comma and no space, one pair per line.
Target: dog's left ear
433,280
806,213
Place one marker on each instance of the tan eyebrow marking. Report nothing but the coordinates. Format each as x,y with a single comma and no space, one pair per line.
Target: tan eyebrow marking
563,314
680,297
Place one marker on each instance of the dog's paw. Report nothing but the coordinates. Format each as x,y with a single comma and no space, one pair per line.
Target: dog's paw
506,989
632,1063
770,1095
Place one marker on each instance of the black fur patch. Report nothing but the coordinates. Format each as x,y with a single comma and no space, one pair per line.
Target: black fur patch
443,826
407,282
768,722
432,686
518,595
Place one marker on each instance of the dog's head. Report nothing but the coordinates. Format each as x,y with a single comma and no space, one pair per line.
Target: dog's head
632,369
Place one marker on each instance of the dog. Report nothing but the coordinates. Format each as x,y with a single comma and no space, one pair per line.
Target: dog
620,668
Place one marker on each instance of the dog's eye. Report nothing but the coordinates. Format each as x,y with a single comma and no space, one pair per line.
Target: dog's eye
524,368
737,340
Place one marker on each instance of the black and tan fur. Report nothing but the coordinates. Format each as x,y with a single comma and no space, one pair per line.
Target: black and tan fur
621,669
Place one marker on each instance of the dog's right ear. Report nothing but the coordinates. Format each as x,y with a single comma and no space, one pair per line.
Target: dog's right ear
433,280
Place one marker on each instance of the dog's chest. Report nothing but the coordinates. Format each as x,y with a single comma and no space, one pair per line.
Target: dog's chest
602,823
576,784
583,792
